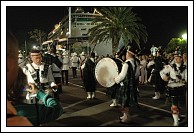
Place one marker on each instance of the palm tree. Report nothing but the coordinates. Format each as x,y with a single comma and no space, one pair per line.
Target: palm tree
115,22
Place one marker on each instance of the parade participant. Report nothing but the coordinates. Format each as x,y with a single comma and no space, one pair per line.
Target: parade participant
127,95
111,91
82,60
35,72
18,113
176,76
156,79
89,76
150,67
74,64
56,71
65,67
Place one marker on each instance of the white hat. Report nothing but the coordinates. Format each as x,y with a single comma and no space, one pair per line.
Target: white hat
64,53
74,53
83,53
20,55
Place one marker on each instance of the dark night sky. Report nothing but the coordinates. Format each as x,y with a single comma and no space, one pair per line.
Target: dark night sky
162,22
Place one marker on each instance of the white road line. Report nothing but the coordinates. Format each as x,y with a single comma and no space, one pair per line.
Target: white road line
149,106
74,104
76,85
146,105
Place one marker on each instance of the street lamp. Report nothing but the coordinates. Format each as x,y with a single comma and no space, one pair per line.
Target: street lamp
34,47
184,36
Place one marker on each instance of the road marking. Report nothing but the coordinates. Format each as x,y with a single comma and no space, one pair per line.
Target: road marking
74,104
89,111
146,105
76,85
153,107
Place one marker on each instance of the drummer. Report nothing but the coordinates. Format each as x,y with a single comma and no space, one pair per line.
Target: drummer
175,74
127,95
111,91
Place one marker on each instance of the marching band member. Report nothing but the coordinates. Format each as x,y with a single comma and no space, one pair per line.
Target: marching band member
65,67
114,89
74,64
56,71
89,76
35,73
156,79
18,112
82,60
128,93
176,76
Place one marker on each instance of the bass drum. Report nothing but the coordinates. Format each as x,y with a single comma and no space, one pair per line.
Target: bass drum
105,72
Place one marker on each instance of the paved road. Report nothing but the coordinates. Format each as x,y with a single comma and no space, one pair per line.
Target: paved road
80,112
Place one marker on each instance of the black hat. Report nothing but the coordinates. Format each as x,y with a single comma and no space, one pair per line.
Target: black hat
121,51
35,52
92,54
52,46
132,48
160,51
178,53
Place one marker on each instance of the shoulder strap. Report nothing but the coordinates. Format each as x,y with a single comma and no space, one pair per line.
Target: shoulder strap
36,77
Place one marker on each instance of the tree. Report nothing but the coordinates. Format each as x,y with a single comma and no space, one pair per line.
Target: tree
175,42
38,35
115,22
77,48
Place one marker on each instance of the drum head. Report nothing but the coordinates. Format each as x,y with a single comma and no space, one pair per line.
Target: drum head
106,70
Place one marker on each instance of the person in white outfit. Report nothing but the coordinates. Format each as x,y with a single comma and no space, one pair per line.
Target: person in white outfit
176,76
35,74
65,68
74,64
